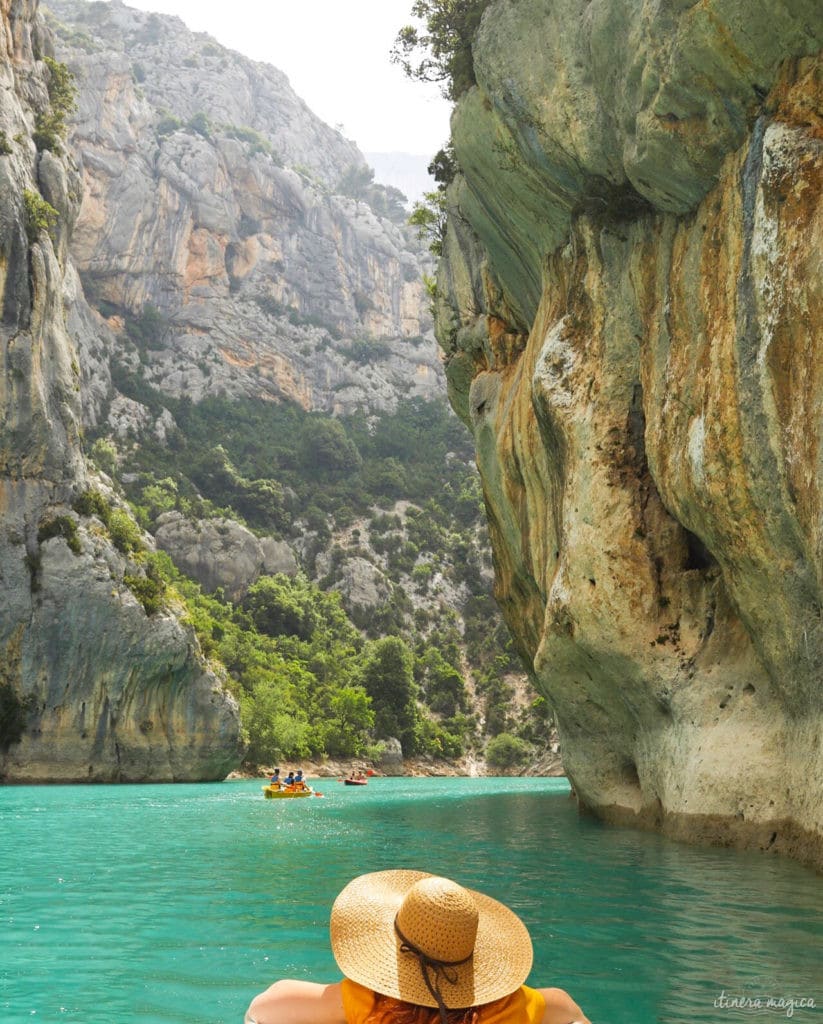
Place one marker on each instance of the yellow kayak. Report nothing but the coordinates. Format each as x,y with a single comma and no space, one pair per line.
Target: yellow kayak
287,793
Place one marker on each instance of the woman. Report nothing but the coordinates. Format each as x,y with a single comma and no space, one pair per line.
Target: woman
419,949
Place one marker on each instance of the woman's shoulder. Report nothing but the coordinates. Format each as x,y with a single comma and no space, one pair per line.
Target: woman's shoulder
290,1001
560,1008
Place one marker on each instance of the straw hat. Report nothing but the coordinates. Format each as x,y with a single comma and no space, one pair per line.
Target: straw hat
414,936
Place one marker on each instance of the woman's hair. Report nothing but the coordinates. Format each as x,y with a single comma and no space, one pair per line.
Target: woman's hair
387,1010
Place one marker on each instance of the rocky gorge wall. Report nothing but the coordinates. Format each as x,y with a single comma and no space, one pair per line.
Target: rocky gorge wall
630,304
91,689
214,195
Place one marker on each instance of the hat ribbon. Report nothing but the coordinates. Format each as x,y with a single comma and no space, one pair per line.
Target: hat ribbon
438,967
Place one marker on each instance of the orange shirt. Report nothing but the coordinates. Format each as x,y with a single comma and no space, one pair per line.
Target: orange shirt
525,1006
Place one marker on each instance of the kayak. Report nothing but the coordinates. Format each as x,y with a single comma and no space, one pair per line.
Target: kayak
288,793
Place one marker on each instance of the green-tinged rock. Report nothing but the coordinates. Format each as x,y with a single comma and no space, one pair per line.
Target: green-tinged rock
91,688
649,443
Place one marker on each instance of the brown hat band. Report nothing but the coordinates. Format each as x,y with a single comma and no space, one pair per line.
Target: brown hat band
438,967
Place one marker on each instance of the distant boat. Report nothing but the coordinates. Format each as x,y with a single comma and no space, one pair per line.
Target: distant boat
288,792
356,782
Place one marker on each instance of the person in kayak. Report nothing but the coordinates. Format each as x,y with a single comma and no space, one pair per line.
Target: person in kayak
416,948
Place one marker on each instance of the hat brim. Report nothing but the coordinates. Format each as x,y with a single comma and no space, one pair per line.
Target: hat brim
367,950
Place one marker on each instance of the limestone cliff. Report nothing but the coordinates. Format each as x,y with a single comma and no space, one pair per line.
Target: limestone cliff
630,303
213,195
91,688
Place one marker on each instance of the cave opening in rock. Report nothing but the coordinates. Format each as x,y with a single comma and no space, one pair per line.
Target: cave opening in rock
698,555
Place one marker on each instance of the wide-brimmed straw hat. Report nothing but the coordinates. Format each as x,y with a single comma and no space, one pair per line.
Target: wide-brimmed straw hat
417,937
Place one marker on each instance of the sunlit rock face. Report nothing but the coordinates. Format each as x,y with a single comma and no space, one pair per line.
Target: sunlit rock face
91,689
213,194
630,302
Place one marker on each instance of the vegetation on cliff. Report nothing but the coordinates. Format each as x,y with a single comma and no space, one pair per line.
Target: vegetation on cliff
39,215
50,124
439,50
366,609
430,215
314,680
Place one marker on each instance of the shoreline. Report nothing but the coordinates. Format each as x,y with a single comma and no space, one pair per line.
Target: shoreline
551,767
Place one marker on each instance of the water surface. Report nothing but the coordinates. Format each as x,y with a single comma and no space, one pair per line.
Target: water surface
176,904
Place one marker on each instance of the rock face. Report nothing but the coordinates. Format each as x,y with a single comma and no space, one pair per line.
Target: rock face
222,552
91,689
630,302
215,197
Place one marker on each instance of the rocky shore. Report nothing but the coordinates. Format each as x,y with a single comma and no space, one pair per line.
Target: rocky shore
549,766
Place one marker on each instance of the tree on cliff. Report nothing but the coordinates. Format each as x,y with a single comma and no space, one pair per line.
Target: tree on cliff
50,124
430,215
351,719
441,50
388,679
326,445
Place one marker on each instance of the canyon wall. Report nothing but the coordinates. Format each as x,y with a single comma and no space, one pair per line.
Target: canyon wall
91,687
630,306
214,196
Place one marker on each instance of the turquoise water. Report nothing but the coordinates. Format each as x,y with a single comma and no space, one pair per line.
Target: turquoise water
175,904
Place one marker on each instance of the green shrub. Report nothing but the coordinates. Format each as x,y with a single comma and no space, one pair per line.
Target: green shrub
366,350
125,533
75,38
40,215
167,125
92,503
382,523
258,143
199,124
506,751
159,497
149,590
437,741
60,526
149,328
104,454
280,606
50,125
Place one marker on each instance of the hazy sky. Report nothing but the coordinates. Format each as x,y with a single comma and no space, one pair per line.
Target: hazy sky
336,55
